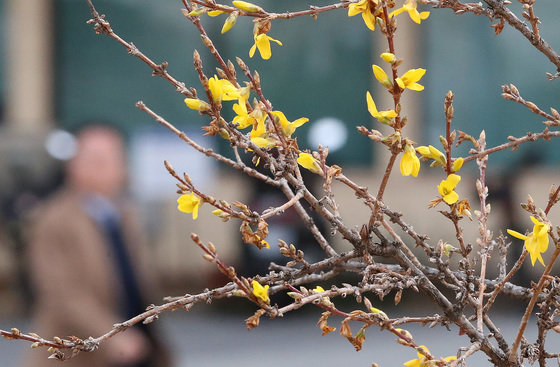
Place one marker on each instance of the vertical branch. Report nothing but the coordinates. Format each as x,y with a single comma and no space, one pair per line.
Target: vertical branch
485,235
448,109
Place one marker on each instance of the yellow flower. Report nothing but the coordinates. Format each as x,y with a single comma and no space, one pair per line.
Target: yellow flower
410,7
243,119
536,242
381,76
383,116
260,292
307,161
259,136
423,362
363,6
446,189
197,104
388,57
410,78
318,289
410,164
289,127
262,42
189,204
222,89
457,164
248,7
430,152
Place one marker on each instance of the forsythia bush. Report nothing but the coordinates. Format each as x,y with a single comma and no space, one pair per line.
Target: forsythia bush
267,136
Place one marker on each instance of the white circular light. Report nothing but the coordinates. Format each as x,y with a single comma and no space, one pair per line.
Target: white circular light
61,144
328,131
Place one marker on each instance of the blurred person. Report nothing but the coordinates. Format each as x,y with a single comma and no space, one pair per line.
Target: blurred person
86,266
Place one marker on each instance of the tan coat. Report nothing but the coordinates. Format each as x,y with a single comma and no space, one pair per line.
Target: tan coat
74,279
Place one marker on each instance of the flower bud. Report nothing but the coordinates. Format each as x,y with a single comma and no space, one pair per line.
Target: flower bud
457,164
197,104
381,76
196,12
230,22
388,57
247,7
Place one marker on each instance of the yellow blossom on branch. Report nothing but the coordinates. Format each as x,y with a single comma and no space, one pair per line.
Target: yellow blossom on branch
430,152
288,128
189,203
215,13
536,242
422,361
243,118
410,164
457,164
446,189
388,57
364,7
223,89
318,289
382,116
230,22
262,42
260,292
247,7
307,161
410,7
259,135
197,104
410,78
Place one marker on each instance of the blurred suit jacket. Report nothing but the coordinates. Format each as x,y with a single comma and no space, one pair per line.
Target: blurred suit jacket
75,281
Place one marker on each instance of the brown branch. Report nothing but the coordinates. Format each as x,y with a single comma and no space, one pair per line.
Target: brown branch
313,11
101,25
514,143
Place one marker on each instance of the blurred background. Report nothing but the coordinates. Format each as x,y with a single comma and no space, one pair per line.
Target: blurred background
56,75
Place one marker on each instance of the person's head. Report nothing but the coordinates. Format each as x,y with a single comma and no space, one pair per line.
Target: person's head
99,165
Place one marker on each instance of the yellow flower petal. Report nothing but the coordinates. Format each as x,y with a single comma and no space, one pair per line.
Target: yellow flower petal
410,164
307,161
457,164
517,234
381,76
